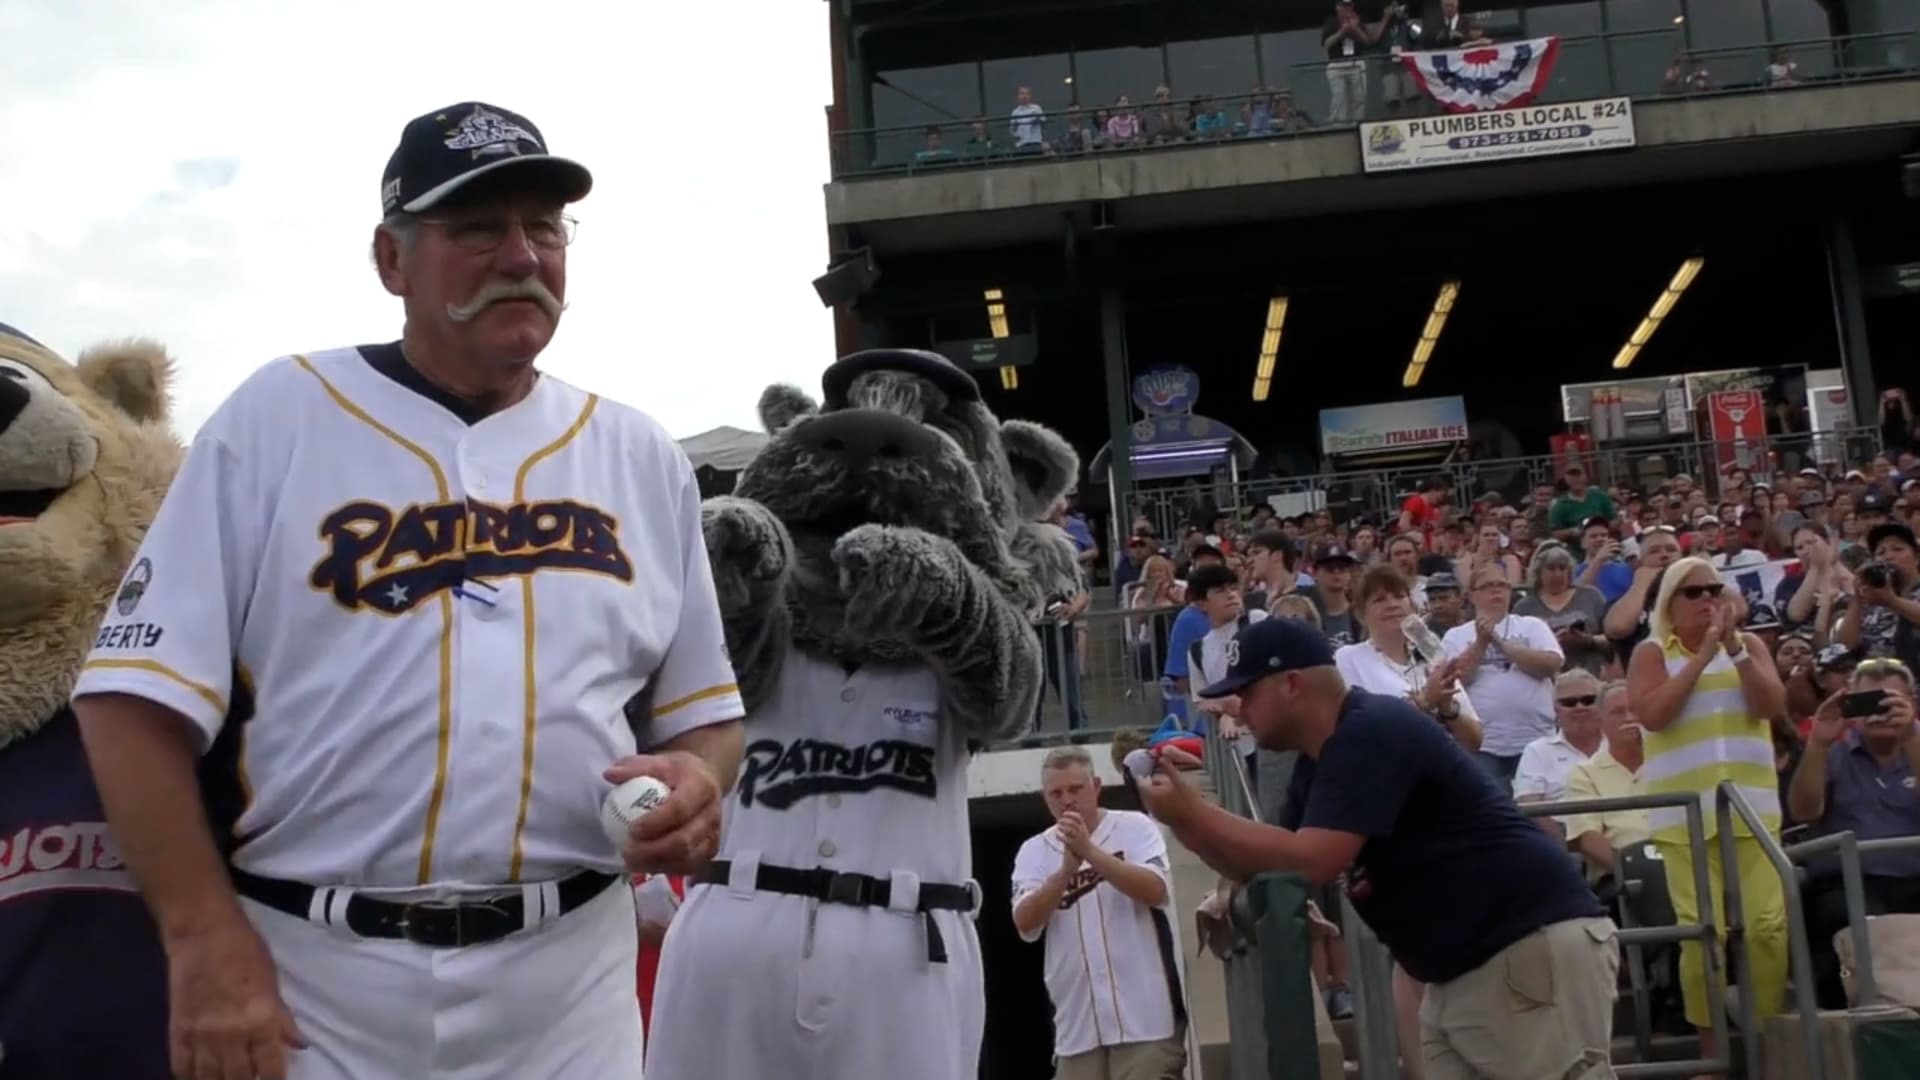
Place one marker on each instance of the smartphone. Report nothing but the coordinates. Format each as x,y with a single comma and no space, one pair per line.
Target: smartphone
1863,703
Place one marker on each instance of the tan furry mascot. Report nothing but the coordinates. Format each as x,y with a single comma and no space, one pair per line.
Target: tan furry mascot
85,456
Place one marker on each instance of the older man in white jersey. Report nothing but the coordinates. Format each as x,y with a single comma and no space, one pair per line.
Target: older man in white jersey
1095,886
409,611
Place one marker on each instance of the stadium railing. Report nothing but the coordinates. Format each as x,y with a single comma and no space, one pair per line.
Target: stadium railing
1379,492
1628,64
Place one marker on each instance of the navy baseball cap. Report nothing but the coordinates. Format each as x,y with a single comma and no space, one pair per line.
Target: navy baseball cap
1269,647
448,149
1332,553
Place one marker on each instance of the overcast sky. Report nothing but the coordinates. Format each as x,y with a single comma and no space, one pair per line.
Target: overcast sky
207,173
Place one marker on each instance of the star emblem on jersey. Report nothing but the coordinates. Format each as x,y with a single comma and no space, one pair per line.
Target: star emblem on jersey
483,133
397,595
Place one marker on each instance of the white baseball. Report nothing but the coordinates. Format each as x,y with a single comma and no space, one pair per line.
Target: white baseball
627,803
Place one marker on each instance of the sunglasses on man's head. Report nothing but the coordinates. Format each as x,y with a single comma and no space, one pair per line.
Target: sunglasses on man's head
1695,592
1579,700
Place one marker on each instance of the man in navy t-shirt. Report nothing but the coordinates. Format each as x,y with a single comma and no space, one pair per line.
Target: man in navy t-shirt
1469,896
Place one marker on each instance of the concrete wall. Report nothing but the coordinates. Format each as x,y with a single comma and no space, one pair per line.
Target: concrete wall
1031,195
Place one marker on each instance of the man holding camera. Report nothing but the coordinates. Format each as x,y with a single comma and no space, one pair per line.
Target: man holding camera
1857,774
1887,622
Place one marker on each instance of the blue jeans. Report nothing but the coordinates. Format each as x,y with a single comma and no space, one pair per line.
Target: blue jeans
1500,768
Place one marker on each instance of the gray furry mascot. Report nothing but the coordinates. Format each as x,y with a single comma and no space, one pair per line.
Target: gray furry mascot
878,567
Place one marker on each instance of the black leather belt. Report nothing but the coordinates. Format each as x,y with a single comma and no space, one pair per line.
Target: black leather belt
435,923
854,890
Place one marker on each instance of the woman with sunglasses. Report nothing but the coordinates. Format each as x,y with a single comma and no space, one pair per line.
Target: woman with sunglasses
1705,694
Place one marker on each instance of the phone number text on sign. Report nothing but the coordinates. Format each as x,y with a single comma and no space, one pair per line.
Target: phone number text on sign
1470,138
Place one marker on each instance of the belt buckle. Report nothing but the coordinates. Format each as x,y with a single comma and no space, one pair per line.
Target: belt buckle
852,889
435,931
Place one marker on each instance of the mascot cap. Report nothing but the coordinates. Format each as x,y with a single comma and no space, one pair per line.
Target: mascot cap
448,149
937,369
11,332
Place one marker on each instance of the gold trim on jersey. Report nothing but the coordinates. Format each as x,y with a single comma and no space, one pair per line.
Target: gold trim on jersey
445,718
240,753
527,635
695,698
207,693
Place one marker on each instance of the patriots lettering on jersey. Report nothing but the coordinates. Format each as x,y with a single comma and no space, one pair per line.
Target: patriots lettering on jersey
136,635
68,855
393,561
778,775
1084,881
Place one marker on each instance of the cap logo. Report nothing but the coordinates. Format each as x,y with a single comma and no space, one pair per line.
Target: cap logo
1233,654
483,134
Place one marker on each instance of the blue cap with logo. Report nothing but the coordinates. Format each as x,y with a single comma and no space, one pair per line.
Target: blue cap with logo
1270,647
448,149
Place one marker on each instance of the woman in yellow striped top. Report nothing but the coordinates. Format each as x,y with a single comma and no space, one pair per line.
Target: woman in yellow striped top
1703,691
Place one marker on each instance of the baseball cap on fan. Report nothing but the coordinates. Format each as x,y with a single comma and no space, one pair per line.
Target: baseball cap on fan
447,150
1270,647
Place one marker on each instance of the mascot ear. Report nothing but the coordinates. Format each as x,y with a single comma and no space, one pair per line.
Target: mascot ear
1044,465
131,375
781,405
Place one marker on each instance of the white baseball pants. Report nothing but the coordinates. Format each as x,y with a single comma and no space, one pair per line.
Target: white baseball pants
554,1002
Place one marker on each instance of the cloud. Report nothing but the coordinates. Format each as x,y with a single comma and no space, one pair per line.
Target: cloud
206,172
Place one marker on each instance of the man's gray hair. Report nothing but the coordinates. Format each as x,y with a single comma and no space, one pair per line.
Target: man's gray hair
1614,686
403,226
1880,668
1571,676
1063,757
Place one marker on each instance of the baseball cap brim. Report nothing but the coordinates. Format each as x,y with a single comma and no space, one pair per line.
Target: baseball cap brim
563,176
1233,684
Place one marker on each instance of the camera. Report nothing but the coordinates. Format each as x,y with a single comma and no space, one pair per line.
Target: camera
1877,575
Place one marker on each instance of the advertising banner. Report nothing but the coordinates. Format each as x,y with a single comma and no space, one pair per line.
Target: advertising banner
1476,138
1396,425
1738,422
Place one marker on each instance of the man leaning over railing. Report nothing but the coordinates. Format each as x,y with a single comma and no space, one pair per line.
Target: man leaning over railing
1857,775
1470,897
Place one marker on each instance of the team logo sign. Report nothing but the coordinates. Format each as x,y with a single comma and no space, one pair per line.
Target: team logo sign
134,587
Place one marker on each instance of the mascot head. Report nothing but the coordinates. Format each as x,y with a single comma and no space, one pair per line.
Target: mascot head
902,438
85,457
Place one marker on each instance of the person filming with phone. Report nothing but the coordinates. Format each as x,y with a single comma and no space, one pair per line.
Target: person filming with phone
1857,775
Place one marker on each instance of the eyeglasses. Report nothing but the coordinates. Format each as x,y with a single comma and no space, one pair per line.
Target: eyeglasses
1695,592
483,234
1576,702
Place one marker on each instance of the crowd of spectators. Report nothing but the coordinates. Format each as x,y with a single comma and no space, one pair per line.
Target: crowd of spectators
1538,609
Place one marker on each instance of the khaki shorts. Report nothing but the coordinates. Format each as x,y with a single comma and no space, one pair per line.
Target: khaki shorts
1161,1059
1541,1009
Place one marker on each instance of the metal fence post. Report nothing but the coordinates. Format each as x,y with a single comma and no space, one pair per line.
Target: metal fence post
1279,903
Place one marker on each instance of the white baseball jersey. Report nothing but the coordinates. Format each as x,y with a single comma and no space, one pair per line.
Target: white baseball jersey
438,622
853,772
1109,969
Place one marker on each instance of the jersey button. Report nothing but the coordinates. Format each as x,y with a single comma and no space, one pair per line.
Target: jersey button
848,694
827,849
833,802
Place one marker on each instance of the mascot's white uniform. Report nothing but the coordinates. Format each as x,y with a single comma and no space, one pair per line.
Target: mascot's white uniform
877,574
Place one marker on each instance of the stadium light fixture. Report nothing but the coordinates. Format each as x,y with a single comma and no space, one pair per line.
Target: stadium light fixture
1430,334
997,325
1662,307
1269,348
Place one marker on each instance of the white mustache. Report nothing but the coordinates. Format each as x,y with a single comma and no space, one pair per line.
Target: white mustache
498,291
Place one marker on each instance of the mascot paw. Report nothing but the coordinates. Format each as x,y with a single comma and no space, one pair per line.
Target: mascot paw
748,547
897,580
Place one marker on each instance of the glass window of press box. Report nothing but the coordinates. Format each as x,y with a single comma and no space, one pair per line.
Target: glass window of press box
932,87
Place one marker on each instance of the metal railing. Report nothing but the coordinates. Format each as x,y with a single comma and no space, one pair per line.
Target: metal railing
1379,492
1103,672
1632,64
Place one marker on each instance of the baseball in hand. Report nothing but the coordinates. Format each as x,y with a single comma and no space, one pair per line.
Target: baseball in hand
627,803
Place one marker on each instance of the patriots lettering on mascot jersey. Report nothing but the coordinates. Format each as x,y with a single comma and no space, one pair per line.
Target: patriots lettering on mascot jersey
777,775
1501,75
